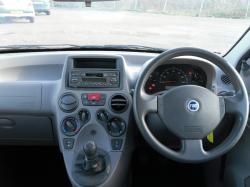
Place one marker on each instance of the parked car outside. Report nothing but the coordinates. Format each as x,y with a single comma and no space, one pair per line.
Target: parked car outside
13,9
41,6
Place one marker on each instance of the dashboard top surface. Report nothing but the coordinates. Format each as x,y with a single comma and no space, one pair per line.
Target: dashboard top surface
45,69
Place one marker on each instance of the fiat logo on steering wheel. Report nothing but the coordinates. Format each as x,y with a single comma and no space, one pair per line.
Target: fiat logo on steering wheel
193,105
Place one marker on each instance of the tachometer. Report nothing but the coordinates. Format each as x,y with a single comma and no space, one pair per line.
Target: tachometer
173,77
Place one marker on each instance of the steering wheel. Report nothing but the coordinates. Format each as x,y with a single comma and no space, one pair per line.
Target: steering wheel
191,112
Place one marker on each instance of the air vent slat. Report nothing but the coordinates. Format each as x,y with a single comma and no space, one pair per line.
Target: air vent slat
118,100
119,103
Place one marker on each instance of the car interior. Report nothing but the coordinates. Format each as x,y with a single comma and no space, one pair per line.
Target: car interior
125,116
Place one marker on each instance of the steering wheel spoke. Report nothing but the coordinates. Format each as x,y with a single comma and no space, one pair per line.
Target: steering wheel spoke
233,104
149,104
192,149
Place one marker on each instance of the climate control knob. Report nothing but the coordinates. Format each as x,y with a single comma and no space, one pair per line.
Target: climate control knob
84,116
70,126
103,115
116,127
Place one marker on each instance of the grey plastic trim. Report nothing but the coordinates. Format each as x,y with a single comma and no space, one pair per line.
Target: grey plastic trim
23,129
25,97
101,137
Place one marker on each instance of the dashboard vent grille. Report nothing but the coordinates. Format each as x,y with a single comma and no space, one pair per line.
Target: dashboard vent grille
225,79
118,103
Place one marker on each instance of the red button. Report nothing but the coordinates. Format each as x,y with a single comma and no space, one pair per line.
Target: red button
94,97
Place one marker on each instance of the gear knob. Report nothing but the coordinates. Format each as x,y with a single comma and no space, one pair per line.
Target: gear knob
90,150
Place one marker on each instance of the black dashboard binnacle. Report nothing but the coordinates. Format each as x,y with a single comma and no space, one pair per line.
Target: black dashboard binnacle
171,75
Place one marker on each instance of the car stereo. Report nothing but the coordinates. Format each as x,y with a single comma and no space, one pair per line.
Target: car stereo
94,73
83,78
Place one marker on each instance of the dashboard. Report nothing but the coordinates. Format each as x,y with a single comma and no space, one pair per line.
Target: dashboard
73,97
172,75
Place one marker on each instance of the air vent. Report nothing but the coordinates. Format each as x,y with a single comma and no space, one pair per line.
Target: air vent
118,103
68,102
225,79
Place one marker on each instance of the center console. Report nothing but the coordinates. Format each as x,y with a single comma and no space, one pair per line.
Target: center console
92,115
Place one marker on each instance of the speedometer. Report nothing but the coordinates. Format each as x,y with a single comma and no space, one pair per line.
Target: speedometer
173,77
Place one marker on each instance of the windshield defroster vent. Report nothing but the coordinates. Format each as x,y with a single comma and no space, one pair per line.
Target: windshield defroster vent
118,103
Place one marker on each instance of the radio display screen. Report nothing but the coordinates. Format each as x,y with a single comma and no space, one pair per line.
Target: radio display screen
94,80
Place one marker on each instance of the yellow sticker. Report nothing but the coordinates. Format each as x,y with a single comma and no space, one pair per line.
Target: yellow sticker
210,137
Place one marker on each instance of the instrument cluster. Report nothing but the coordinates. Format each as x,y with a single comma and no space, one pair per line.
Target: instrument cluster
171,75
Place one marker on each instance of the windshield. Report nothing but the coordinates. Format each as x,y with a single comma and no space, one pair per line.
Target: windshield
208,24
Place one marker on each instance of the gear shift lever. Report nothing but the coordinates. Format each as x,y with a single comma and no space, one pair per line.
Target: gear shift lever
90,150
93,162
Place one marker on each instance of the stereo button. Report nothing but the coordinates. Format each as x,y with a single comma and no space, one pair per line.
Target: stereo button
74,79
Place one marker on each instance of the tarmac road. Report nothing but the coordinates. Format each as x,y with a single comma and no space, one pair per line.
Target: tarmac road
92,27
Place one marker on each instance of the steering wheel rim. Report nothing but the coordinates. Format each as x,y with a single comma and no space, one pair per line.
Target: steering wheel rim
192,150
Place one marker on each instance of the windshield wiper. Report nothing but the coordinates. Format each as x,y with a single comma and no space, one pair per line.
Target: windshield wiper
67,47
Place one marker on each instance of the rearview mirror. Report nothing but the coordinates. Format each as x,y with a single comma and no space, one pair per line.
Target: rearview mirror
87,2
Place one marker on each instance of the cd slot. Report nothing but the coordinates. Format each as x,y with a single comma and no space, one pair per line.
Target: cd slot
94,74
